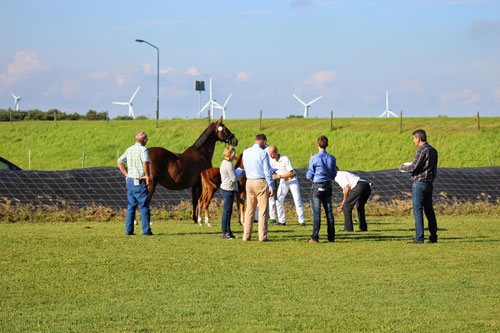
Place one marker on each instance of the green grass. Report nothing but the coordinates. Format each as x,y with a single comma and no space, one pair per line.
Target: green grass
358,143
87,276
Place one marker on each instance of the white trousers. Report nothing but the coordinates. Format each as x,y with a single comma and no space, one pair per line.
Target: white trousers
293,186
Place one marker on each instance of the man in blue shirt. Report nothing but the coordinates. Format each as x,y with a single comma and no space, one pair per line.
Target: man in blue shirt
259,187
322,170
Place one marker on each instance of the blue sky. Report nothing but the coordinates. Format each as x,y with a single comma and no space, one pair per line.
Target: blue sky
434,56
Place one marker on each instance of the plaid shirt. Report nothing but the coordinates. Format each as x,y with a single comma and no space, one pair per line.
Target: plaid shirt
424,166
134,156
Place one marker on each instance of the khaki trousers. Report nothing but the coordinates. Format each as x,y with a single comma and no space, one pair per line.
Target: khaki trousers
257,191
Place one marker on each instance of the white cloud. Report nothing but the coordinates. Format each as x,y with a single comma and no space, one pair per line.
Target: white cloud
321,78
410,86
463,96
242,76
496,94
120,80
485,26
25,62
51,90
193,71
70,88
168,70
146,68
98,75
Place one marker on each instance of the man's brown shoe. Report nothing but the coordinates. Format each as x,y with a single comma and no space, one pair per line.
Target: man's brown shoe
265,240
311,240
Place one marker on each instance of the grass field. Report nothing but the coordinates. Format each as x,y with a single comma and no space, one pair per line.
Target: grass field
87,276
358,143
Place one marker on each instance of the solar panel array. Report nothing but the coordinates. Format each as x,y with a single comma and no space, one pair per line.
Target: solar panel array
105,186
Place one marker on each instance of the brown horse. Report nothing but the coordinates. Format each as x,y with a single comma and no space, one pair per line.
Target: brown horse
210,183
180,171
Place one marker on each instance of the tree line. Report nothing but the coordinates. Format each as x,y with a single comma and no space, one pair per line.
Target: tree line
35,114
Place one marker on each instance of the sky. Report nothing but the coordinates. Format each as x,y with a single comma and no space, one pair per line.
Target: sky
435,57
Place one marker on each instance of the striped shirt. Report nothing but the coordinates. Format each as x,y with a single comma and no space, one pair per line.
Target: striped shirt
424,166
134,156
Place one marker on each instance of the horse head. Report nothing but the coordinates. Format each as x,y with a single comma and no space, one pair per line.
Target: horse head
224,134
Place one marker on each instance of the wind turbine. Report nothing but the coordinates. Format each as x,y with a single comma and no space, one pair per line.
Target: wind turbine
129,103
223,108
16,101
306,106
213,104
387,113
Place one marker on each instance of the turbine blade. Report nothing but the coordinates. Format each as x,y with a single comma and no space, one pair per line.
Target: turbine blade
299,100
133,96
217,105
314,100
13,94
206,106
121,103
227,100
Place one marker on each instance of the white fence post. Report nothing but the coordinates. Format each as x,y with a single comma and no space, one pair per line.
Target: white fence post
29,158
83,160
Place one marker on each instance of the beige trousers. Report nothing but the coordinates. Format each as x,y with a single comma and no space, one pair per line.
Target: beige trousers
257,191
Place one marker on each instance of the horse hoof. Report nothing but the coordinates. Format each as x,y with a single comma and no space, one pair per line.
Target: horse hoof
201,224
209,225
135,222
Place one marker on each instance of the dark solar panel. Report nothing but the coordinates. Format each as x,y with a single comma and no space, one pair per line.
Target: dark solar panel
106,186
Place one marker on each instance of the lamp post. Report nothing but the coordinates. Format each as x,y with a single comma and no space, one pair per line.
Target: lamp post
157,78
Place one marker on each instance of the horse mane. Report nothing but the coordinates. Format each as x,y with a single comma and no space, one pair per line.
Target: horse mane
204,136
239,161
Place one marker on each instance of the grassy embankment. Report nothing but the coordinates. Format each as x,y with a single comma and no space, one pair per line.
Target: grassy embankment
88,276
358,143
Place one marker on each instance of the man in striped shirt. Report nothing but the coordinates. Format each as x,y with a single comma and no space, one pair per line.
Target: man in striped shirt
138,176
423,170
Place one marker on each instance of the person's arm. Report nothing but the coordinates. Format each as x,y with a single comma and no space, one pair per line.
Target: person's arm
310,170
287,175
346,193
268,172
121,164
122,168
145,165
419,156
227,171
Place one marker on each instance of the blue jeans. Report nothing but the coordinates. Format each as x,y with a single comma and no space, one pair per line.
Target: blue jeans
228,197
422,201
321,194
137,196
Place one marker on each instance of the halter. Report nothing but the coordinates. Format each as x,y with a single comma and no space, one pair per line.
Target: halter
227,139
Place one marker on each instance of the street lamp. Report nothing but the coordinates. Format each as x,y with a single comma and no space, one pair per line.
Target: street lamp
157,79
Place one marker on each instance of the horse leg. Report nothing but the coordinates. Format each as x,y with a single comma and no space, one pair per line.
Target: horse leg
196,191
208,199
198,209
240,200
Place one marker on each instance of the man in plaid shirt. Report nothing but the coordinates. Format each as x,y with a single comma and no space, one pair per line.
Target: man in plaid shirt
138,176
423,170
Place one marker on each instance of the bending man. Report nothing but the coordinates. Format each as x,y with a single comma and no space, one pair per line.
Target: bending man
356,192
